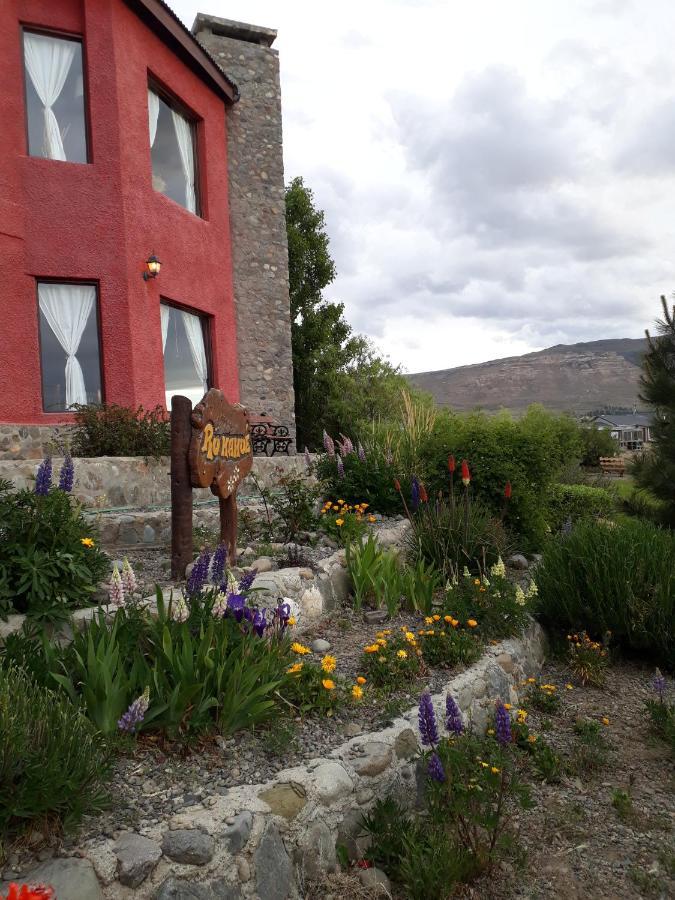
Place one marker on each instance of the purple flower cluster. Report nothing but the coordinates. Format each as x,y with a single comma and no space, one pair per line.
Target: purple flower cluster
282,614
659,685
362,453
347,447
328,444
427,721
43,479
218,564
340,468
134,716
199,575
502,724
435,769
453,716
246,581
259,622
67,474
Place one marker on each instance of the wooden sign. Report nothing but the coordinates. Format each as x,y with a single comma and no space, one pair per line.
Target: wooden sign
210,447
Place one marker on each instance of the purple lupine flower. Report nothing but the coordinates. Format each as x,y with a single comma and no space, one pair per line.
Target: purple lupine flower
435,768
259,622
246,581
340,468
129,582
347,446
362,453
415,493
116,589
659,685
67,474
427,720
328,444
218,564
236,604
134,716
308,459
43,479
502,724
199,574
453,716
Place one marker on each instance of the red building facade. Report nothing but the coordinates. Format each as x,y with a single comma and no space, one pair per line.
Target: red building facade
113,147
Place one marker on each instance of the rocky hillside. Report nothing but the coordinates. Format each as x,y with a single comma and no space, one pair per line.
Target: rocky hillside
575,378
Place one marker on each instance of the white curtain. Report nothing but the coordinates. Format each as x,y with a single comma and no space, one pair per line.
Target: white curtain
67,308
185,148
153,115
195,336
48,62
164,316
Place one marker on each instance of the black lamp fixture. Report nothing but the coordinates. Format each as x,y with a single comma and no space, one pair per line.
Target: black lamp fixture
153,265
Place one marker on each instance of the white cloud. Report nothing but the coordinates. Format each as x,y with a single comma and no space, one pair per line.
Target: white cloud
497,177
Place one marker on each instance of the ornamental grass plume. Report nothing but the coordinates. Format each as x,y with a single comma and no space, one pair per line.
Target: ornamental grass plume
427,721
43,478
218,564
453,716
502,724
67,474
129,582
133,717
435,769
116,589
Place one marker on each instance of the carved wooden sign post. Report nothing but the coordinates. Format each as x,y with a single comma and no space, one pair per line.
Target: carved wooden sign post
210,447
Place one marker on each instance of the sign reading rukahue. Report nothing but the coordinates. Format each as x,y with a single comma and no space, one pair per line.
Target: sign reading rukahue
220,448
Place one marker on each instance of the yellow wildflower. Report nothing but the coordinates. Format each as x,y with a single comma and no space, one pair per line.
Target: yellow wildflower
490,731
570,687
373,648
402,654
339,522
87,542
476,581
292,620
495,770
447,619
409,636
605,720
294,669
531,680
522,713
532,738
357,693
328,663
428,620
436,618
382,642
328,684
300,649
507,706
372,519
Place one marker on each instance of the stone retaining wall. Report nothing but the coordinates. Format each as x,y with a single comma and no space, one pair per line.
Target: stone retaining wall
107,482
264,841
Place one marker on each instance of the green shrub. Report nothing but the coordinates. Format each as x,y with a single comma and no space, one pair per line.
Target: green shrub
50,562
596,442
618,578
571,502
289,505
346,523
499,607
366,477
110,430
53,762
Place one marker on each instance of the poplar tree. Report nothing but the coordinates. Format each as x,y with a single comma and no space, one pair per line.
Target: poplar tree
656,470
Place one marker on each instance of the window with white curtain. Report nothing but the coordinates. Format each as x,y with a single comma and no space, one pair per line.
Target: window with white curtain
69,345
173,152
186,367
55,102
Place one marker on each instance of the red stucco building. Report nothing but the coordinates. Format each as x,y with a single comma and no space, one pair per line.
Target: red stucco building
114,143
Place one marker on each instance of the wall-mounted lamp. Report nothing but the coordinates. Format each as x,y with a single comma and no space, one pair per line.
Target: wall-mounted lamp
153,266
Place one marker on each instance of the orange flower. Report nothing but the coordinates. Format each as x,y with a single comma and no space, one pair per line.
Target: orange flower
87,542
472,623
361,680
329,684
466,474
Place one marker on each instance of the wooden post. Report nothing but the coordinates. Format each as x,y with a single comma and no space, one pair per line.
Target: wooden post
228,525
181,486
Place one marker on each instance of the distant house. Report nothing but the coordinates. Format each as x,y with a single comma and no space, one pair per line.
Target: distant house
631,430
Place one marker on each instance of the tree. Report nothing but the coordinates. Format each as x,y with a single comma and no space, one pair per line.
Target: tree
337,375
656,469
597,442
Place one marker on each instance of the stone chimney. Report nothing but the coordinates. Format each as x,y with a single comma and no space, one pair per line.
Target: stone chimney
257,213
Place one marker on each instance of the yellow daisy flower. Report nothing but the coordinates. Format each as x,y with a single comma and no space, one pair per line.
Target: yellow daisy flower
328,663
328,684
87,542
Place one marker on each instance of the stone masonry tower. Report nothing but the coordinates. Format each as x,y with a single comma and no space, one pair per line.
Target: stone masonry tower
257,213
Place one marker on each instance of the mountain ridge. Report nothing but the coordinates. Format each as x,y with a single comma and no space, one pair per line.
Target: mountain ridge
576,378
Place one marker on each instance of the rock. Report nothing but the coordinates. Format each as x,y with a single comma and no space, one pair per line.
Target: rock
498,682
175,889
149,535
376,758
104,861
406,744
237,833
375,880
72,879
318,851
188,845
332,783
517,561
136,856
351,836
273,867
243,869
285,800
263,564
375,616
311,603
306,573
505,661
320,646
352,729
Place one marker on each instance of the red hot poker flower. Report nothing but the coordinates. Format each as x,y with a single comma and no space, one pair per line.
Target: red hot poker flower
451,463
423,493
40,892
466,475
397,485
507,490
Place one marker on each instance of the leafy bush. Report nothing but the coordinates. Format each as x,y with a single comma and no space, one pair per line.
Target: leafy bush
588,659
392,659
53,762
618,578
498,608
107,429
50,562
571,502
366,475
596,442
344,522
289,506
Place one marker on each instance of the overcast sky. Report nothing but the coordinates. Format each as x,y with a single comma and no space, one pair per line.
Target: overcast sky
498,176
